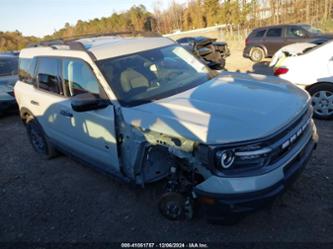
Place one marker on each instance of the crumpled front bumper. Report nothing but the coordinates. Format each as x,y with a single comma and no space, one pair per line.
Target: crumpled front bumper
217,205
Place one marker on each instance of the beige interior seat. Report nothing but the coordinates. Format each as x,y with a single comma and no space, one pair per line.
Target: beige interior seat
131,79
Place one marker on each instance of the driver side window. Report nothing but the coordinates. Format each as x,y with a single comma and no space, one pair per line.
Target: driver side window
295,32
78,77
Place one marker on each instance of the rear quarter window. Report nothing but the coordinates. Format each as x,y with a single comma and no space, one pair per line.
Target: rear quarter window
275,32
26,70
257,33
260,33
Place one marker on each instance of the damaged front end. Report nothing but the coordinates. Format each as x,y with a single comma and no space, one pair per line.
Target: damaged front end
149,156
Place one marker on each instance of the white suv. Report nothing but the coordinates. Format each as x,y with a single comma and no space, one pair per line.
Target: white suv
144,109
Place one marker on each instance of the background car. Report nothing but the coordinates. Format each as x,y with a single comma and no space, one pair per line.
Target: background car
294,49
313,71
212,52
8,78
266,41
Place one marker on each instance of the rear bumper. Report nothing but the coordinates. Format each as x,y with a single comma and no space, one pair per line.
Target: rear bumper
246,52
217,205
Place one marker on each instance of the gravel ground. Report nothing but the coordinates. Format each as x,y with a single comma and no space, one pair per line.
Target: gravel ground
60,200
236,62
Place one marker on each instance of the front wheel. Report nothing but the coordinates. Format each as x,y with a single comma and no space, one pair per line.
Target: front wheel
322,100
171,206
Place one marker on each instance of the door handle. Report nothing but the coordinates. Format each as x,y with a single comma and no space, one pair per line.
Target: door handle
66,114
34,102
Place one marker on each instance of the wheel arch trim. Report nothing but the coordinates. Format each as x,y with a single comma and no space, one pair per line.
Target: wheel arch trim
308,87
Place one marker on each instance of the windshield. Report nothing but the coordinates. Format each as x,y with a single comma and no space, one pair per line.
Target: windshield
153,74
8,66
311,29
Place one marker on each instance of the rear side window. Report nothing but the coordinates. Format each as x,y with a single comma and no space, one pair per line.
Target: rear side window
275,32
259,33
48,75
26,70
78,77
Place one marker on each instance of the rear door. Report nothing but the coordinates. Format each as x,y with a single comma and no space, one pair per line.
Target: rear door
273,40
47,92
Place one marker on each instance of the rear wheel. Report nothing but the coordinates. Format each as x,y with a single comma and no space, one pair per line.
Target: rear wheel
38,139
257,54
322,100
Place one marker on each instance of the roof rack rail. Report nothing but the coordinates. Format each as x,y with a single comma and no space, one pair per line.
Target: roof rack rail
123,34
67,40
73,43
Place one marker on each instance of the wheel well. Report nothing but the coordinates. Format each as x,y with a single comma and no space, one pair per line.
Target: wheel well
260,46
308,88
25,114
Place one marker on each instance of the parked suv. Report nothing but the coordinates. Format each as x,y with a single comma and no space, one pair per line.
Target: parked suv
8,78
145,109
265,41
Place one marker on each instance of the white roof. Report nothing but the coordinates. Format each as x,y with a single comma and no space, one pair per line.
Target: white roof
102,47
108,46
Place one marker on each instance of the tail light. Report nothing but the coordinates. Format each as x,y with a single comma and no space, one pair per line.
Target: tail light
246,41
280,70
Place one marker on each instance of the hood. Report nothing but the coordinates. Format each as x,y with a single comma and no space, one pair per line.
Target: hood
232,107
323,35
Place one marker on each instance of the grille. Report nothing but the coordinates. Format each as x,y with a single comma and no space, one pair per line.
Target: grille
294,132
291,136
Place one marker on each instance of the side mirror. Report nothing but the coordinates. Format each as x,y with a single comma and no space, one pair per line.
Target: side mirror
88,102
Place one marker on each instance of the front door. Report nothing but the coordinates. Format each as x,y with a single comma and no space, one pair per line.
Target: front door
295,34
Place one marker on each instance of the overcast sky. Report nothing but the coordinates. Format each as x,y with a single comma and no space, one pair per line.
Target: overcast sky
42,17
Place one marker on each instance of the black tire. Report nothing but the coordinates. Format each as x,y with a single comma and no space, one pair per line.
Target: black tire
171,206
322,100
257,54
38,139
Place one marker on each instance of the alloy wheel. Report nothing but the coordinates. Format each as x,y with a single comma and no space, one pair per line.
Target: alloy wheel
322,102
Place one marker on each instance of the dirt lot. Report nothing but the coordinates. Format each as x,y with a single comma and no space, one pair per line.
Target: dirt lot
236,62
62,201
